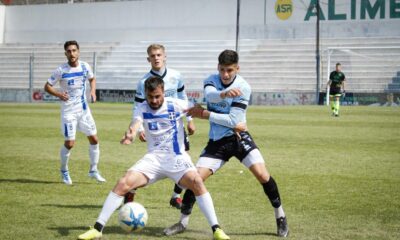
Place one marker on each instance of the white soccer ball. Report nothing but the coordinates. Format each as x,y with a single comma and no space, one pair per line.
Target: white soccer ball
132,217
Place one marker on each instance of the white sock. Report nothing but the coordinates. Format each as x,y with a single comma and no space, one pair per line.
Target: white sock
279,212
184,220
94,153
113,201
207,208
64,155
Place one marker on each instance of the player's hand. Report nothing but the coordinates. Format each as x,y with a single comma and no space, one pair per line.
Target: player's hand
142,136
196,111
191,128
127,139
234,92
240,127
63,96
93,97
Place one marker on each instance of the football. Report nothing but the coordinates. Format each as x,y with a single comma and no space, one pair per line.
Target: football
132,217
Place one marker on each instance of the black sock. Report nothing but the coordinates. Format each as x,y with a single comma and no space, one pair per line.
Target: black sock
214,228
187,202
271,190
177,189
98,226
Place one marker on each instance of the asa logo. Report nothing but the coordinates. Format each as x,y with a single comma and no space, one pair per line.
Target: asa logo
283,9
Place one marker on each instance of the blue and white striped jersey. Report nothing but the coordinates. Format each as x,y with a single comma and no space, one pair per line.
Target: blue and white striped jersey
173,85
163,127
73,80
225,113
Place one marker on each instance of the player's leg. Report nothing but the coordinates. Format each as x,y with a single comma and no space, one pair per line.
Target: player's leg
189,199
332,103
132,179
142,173
87,125
250,156
193,181
94,155
210,161
205,167
176,200
255,162
68,129
337,104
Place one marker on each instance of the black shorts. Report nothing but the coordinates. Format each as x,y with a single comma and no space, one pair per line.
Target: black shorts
227,147
335,91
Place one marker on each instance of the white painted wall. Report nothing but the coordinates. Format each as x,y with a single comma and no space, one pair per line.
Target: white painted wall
2,21
155,20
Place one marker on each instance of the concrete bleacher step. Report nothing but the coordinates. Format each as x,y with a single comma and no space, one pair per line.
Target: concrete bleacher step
268,64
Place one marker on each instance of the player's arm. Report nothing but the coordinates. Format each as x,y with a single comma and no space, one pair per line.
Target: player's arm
92,82
235,116
235,119
343,83
63,96
214,96
130,134
328,84
191,128
51,82
139,98
140,93
181,89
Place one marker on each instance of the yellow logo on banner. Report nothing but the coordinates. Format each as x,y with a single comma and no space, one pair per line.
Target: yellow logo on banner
283,9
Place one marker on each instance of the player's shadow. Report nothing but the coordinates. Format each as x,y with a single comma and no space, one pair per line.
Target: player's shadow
81,206
248,235
34,181
26,180
148,231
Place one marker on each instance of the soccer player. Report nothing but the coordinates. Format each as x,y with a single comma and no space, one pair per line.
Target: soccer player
75,112
336,88
175,88
227,95
166,157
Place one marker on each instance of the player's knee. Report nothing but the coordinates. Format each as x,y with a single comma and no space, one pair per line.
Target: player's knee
69,144
198,187
122,187
93,140
262,177
204,173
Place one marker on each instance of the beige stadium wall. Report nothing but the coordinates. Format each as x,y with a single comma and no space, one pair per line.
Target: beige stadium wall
155,20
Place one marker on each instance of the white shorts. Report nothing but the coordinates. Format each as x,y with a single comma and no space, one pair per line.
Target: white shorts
214,164
82,121
157,166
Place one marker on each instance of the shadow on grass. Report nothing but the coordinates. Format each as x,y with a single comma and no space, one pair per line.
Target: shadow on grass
25,180
251,234
81,206
88,206
30,181
156,232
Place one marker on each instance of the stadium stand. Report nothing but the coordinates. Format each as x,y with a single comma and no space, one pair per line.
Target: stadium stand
269,65
15,59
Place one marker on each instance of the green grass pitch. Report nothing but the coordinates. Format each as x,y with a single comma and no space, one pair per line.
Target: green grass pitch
339,178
